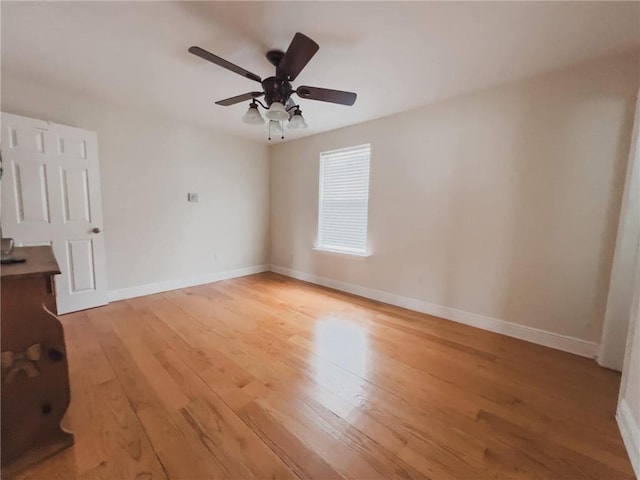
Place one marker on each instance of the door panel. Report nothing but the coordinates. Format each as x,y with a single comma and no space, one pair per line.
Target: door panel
32,201
75,194
81,271
26,139
72,147
51,195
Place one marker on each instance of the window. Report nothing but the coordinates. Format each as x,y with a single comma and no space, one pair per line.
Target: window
344,200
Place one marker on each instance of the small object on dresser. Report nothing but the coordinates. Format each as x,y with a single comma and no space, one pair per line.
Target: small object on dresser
10,260
6,248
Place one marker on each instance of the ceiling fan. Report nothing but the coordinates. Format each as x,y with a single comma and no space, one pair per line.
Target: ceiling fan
277,90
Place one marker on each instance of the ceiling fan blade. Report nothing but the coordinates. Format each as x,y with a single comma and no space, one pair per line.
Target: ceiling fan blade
239,98
300,51
224,63
327,95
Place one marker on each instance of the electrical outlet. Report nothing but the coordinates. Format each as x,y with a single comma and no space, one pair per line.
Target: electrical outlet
192,197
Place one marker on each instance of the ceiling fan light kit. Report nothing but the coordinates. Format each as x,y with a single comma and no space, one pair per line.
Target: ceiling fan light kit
297,120
277,90
253,117
277,112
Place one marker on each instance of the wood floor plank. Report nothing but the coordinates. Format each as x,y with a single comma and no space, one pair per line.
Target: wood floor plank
182,451
268,377
381,445
211,416
305,461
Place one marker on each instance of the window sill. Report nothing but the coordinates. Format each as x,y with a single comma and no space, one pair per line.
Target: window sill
342,253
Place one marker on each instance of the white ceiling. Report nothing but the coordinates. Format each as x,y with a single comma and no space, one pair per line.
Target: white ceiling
396,56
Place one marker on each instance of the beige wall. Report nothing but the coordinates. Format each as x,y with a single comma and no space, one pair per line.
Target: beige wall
502,203
147,166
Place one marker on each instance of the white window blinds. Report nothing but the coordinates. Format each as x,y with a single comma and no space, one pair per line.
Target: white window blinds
344,199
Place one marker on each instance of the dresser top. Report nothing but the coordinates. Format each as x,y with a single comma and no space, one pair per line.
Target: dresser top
39,261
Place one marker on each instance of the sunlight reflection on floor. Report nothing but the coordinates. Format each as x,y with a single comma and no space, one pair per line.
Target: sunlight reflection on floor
342,343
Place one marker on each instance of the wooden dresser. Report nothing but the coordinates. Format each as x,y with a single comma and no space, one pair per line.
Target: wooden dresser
35,374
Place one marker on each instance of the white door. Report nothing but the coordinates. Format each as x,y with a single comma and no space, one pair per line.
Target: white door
621,284
51,196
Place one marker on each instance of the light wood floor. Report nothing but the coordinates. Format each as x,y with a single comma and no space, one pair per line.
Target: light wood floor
272,378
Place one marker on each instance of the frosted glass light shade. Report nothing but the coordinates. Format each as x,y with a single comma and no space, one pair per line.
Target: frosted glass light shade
275,127
253,117
277,112
297,121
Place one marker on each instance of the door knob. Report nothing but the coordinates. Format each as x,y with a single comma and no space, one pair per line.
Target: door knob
95,230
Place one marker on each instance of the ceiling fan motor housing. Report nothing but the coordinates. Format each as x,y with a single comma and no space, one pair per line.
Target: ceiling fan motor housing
276,90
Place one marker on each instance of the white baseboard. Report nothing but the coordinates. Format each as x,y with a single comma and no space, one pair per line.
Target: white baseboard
630,431
530,334
151,288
